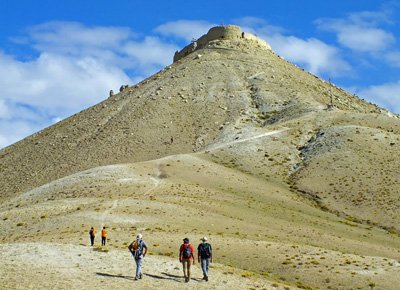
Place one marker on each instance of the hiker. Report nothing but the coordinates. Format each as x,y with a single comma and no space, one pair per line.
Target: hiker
92,234
138,248
186,257
103,236
204,255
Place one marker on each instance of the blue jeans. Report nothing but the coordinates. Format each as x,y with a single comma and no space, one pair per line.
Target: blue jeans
204,266
139,267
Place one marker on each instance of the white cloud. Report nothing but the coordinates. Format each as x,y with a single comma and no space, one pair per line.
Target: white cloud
75,67
393,58
386,95
76,38
4,110
313,54
259,27
57,84
185,29
150,53
13,131
360,31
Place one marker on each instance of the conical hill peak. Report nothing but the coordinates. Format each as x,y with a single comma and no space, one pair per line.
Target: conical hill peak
233,81
230,140
222,34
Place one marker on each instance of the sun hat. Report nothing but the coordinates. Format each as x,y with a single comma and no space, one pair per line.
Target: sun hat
139,237
203,239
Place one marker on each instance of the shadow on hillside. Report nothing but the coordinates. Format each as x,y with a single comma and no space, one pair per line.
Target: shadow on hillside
115,276
177,278
165,277
169,277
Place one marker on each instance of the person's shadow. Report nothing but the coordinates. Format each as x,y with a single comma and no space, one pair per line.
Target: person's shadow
115,276
178,278
166,276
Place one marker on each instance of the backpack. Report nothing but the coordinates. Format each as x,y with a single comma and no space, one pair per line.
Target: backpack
187,253
205,250
136,249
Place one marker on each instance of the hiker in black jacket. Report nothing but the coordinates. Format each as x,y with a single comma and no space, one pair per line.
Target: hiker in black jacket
204,254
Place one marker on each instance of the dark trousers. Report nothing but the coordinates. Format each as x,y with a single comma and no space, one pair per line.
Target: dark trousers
103,241
92,240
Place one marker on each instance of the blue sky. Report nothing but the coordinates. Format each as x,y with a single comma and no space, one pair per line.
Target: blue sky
60,57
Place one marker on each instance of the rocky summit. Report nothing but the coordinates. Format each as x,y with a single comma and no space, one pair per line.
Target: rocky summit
294,181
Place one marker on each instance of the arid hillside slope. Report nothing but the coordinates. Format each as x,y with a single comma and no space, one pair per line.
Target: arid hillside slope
181,109
255,152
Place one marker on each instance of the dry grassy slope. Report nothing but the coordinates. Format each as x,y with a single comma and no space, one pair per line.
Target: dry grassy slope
346,162
354,169
188,101
269,157
266,233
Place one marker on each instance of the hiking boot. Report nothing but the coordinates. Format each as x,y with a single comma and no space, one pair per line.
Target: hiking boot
136,278
140,276
186,279
206,278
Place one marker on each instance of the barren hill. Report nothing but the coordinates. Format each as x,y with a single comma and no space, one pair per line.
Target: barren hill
256,152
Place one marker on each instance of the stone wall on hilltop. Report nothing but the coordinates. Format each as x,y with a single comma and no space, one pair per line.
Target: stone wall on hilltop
223,33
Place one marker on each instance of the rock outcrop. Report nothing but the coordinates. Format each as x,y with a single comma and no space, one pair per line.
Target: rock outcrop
222,33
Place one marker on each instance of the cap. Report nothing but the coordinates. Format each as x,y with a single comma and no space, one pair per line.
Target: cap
139,237
204,239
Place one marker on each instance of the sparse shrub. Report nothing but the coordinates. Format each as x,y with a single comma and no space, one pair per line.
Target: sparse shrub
372,284
247,274
100,249
167,254
228,272
301,286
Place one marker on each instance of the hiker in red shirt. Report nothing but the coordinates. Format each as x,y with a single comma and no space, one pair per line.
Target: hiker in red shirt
186,257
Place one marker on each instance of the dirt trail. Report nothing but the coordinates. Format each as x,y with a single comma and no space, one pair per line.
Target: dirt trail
63,266
156,180
225,144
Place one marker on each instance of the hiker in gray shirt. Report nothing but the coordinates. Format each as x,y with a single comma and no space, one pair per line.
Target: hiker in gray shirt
138,248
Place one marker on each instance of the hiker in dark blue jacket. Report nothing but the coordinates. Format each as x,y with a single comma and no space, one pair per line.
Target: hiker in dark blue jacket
204,254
